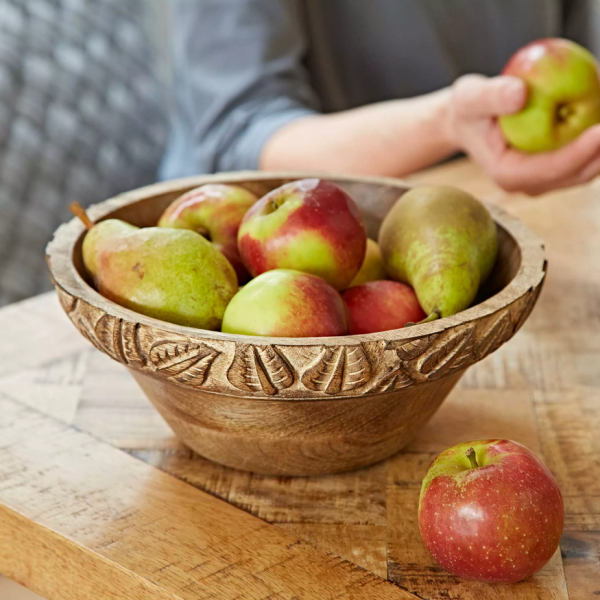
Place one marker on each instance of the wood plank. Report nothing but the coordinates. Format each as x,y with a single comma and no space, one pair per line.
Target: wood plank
363,545
357,497
114,409
581,556
34,332
133,532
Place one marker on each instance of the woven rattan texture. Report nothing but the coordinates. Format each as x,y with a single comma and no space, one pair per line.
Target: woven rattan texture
81,118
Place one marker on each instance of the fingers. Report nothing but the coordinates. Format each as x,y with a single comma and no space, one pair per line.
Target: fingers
476,96
538,173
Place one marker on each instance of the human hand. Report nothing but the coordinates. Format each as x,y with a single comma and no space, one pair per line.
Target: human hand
477,101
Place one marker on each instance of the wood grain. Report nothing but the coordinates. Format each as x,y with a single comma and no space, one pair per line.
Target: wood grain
134,532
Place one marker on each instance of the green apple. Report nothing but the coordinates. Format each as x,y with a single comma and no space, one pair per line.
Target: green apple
286,303
372,268
563,95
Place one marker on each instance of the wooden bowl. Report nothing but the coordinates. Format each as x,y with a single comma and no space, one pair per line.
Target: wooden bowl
296,406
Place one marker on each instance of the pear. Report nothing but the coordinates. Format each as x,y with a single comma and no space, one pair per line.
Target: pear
171,274
441,241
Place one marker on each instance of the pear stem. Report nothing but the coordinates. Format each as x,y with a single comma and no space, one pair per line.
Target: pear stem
432,317
79,212
472,458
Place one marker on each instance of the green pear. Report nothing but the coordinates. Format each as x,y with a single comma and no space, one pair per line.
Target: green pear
441,241
171,274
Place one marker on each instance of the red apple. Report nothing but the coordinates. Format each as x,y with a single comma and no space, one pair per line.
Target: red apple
380,306
310,225
215,211
563,95
490,510
286,303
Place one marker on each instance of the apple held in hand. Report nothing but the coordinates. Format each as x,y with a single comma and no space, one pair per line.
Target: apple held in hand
286,303
381,306
563,95
215,211
490,510
310,225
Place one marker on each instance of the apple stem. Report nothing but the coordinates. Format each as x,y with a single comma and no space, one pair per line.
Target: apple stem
79,212
472,458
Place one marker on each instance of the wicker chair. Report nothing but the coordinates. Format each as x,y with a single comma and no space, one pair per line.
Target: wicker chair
82,117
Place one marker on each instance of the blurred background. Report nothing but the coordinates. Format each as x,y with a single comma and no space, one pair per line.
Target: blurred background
83,116
87,88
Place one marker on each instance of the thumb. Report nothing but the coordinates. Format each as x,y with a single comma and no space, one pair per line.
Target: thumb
476,96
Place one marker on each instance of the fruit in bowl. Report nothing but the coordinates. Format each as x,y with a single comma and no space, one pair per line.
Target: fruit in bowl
286,303
563,83
381,306
490,510
214,211
372,268
309,225
442,242
170,274
295,405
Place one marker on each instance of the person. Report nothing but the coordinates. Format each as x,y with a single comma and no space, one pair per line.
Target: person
384,87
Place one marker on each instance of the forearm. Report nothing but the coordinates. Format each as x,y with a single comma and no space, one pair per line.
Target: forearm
391,138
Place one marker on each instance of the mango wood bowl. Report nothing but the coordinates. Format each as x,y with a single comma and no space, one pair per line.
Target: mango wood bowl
296,406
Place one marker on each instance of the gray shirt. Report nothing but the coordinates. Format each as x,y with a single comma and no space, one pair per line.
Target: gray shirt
245,68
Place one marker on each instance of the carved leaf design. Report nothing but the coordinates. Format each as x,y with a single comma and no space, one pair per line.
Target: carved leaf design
338,370
394,380
450,351
67,301
108,335
260,369
196,374
184,361
414,348
131,345
495,335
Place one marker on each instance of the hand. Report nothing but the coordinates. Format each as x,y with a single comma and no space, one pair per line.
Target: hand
475,104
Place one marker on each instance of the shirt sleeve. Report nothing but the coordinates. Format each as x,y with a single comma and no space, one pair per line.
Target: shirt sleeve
239,76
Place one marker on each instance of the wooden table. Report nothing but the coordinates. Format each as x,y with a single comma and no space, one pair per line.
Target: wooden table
99,500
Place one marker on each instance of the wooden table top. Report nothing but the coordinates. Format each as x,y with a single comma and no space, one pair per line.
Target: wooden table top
98,499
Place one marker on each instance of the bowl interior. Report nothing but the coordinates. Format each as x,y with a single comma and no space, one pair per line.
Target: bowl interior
374,200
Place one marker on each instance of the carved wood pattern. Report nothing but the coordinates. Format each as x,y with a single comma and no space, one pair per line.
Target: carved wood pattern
260,369
264,370
338,369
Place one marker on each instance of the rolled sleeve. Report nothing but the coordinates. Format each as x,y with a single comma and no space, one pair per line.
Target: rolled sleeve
239,76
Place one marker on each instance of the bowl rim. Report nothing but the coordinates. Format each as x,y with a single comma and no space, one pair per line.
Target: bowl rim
60,252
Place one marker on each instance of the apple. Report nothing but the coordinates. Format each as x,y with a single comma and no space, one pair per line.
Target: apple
310,225
490,510
215,211
372,268
563,95
286,303
381,306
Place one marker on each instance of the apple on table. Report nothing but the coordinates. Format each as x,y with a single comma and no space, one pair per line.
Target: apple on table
490,510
